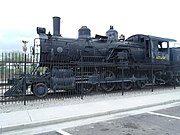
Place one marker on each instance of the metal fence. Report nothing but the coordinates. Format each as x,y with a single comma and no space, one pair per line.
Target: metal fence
20,74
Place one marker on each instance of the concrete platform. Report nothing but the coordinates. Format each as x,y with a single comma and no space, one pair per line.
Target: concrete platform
52,115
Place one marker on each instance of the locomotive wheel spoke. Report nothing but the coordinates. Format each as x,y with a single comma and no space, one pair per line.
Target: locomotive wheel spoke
128,85
108,87
141,84
87,88
108,76
177,81
119,86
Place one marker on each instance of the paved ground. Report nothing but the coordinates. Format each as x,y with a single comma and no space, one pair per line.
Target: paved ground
63,117
162,122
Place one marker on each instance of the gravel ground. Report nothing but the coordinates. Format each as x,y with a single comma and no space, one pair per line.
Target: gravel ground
9,107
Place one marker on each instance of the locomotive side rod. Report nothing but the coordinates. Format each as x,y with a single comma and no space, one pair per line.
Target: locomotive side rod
133,79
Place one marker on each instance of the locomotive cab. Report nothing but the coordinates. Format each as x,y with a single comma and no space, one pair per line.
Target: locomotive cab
156,49
160,51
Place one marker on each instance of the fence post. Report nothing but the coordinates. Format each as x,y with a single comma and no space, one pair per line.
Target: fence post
82,75
2,76
174,79
122,81
152,88
24,82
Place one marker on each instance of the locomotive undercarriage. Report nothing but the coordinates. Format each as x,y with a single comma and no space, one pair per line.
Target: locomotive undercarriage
84,79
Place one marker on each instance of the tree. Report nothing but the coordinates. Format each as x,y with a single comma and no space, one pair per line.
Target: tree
11,64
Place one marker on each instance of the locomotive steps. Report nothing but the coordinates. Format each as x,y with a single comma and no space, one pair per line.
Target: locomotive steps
36,118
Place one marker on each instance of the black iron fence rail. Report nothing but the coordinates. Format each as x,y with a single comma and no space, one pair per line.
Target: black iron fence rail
21,72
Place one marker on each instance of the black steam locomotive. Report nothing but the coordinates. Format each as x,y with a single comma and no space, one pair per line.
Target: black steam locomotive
105,62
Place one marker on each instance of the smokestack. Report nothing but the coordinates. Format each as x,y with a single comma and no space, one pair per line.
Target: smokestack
56,26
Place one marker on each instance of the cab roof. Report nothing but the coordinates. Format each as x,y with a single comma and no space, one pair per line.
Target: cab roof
153,38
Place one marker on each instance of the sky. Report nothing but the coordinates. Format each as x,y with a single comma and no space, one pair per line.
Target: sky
19,18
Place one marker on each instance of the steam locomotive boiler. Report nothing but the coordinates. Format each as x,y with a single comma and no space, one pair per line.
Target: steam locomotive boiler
102,62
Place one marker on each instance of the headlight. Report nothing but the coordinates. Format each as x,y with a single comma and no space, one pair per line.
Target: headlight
41,30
